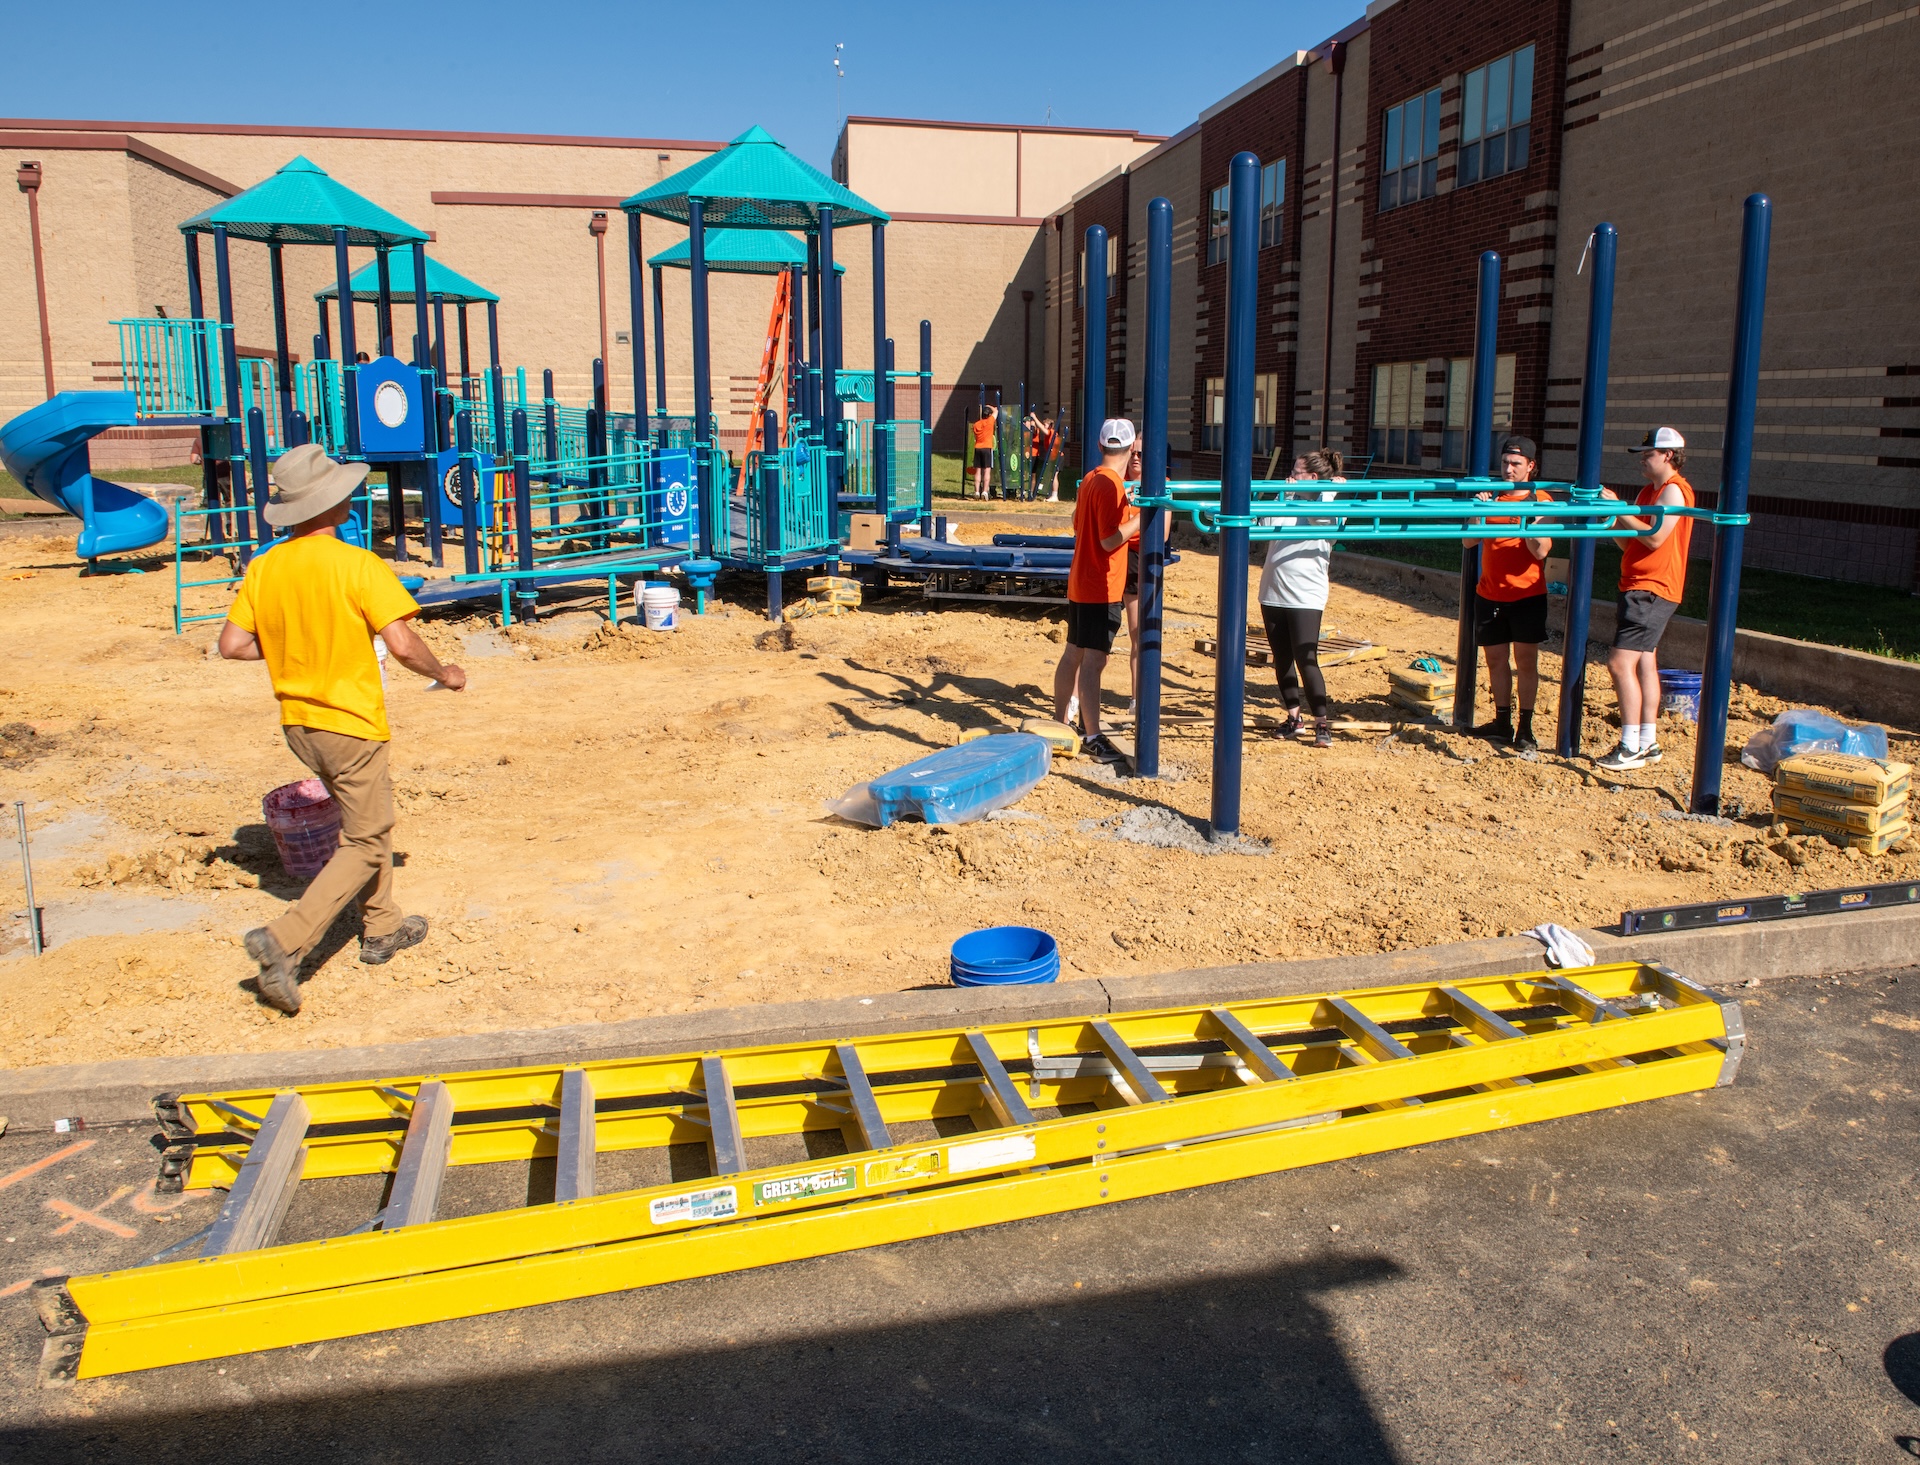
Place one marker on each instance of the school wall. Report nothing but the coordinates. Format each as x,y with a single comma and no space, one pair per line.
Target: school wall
1172,172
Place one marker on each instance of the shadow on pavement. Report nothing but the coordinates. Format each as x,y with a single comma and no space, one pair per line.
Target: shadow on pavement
1240,1367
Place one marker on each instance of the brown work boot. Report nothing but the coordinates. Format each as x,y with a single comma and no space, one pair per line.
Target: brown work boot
279,979
377,950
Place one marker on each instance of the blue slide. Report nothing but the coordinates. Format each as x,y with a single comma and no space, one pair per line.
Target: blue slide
45,448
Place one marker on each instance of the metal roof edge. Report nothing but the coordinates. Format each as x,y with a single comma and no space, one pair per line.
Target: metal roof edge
1271,74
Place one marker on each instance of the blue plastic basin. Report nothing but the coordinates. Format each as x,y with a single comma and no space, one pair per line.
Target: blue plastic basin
1680,692
1005,956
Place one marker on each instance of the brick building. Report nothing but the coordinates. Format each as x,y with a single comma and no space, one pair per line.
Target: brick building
1430,130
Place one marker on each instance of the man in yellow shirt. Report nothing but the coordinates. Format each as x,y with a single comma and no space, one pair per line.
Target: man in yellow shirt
310,609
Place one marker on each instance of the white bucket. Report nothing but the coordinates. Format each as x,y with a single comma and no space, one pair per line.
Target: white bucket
659,606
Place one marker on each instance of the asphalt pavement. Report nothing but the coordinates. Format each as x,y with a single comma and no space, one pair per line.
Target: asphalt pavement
1724,1276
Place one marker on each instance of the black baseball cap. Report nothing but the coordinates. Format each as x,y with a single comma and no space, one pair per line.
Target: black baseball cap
1521,445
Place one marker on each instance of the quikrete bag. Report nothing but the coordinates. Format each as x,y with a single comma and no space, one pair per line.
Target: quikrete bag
1840,813
1844,776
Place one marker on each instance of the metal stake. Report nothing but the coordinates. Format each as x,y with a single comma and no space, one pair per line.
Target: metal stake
26,872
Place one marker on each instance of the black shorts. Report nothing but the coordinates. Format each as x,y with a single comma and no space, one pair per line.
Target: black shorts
1133,572
1640,620
1500,622
983,457
1093,627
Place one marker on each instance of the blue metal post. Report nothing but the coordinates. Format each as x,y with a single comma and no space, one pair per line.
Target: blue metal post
383,311
926,427
637,324
1236,476
553,441
499,377
704,446
1729,540
773,539
469,481
257,445
196,309
282,356
443,393
349,352
423,351
522,508
830,434
659,343
1153,481
1093,357
230,370
466,358
1586,484
882,367
1486,346
812,393
597,446
323,342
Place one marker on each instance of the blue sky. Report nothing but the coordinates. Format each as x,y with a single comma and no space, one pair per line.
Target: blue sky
693,70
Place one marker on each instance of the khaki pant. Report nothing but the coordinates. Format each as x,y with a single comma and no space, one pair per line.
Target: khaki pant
355,773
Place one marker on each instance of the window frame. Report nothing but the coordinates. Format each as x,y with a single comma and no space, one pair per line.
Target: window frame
1217,211
1409,151
1459,406
1496,117
1213,415
1273,204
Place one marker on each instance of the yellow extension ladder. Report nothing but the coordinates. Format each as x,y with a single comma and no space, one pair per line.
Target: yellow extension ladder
941,1131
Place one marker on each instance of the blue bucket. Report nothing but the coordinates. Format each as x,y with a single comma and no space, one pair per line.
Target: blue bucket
1680,693
1005,956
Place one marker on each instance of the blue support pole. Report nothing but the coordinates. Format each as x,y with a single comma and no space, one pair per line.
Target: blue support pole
499,377
1486,346
349,365
466,358
773,539
1236,476
1093,352
1153,481
830,433
203,380
812,392
597,445
637,324
257,445
230,372
443,393
882,367
323,342
1586,484
704,446
926,427
469,481
659,343
383,312
553,441
282,355
522,508
1736,467
423,351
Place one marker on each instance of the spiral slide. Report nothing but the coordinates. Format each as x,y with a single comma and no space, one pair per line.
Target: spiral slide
45,448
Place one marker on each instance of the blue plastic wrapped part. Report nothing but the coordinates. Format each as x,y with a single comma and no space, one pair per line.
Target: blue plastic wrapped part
1803,730
952,786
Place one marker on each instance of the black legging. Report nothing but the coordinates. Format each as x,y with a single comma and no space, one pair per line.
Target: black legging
1294,635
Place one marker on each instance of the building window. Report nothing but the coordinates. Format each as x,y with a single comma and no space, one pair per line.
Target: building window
1399,413
1213,415
1113,263
1495,108
1410,151
1266,404
1453,442
1273,198
1217,226
1266,397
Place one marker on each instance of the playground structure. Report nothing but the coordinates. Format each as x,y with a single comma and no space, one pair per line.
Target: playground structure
1243,512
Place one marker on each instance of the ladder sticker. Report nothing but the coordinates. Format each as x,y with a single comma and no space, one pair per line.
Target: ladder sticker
918,1166
803,1187
722,1203
991,1154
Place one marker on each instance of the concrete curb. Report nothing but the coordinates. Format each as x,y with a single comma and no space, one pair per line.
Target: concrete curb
1882,688
120,1091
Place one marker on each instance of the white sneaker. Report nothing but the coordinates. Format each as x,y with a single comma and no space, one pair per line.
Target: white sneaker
1620,760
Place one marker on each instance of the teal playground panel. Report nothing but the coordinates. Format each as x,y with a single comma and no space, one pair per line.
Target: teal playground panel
804,526
173,368
217,553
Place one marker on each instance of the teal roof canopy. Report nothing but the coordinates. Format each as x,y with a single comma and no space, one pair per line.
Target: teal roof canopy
754,183
741,252
301,204
456,287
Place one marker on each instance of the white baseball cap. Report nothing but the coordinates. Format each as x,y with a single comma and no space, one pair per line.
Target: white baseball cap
1660,440
1116,433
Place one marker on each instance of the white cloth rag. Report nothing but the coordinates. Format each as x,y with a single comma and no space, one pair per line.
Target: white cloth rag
1564,949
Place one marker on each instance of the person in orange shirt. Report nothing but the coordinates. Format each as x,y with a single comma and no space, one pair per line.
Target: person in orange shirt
983,431
1510,609
1103,522
1653,580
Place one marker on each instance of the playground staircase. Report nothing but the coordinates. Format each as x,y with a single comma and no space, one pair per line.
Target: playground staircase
904,1136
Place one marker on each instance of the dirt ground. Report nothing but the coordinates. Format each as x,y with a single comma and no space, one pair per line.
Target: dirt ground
612,823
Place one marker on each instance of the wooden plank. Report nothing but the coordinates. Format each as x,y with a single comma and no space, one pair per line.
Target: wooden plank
415,1196
268,1176
573,1168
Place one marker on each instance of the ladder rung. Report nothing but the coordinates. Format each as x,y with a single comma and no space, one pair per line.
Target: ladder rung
423,1159
866,1109
723,1118
1366,1032
268,1176
1484,1021
1594,1009
1002,1098
573,1169
1141,1086
1257,1056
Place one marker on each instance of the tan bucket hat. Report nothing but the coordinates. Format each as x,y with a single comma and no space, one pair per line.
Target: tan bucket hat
306,483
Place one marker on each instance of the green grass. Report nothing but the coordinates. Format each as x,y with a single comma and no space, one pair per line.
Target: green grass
953,488
1871,618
